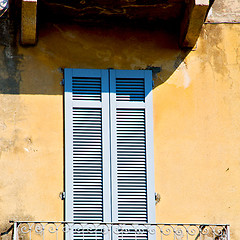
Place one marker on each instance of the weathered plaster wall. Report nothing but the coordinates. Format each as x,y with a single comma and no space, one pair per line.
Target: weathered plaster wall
227,11
9,58
197,148
196,119
31,108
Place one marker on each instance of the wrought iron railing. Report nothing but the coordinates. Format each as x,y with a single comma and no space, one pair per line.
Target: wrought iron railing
118,231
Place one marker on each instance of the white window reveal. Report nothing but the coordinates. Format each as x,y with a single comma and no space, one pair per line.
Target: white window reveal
109,147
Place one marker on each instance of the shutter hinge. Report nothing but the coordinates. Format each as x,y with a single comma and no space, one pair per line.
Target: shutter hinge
62,83
157,198
62,195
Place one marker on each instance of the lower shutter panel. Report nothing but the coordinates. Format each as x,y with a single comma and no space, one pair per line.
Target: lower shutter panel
131,165
88,234
132,234
87,170
87,165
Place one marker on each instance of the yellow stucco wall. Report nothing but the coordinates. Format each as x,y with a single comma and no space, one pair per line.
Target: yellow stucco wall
196,120
197,141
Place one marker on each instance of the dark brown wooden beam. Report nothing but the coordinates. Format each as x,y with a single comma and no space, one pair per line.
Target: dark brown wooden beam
28,22
195,14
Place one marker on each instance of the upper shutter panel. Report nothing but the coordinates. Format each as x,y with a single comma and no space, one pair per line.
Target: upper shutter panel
86,88
87,139
130,89
131,146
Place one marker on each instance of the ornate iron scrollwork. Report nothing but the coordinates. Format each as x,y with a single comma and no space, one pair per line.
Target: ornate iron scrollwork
134,231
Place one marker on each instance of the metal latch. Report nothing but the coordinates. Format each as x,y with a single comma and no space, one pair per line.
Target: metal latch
62,195
157,198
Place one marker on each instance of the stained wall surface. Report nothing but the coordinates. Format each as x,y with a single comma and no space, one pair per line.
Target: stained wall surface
196,118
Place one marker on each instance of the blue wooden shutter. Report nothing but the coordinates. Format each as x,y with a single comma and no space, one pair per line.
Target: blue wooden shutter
87,155
109,146
132,146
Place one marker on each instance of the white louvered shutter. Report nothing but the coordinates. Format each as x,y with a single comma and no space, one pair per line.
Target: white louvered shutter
132,147
109,147
87,155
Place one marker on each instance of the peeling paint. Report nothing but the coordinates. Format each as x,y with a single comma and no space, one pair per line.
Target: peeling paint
26,149
3,126
186,77
224,11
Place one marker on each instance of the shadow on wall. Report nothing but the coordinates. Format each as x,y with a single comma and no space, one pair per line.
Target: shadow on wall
38,69
9,57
